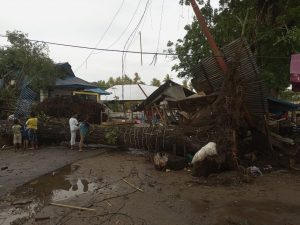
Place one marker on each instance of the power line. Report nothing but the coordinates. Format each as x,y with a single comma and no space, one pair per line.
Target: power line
97,49
126,28
129,42
159,32
134,52
131,37
103,35
160,24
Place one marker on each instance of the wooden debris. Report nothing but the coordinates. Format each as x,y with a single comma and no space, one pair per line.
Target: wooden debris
24,202
132,185
41,218
72,207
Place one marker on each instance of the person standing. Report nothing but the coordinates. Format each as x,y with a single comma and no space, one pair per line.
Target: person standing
25,138
16,128
32,126
83,129
73,122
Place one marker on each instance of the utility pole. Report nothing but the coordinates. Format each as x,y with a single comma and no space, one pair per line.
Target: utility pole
217,53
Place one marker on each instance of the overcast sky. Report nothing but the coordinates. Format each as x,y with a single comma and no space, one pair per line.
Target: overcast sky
84,22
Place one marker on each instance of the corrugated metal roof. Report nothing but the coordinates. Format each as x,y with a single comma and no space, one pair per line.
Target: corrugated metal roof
209,77
66,69
156,95
132,92
276,104
73,82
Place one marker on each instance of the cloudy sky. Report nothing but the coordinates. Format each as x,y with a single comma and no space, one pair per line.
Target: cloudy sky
101,24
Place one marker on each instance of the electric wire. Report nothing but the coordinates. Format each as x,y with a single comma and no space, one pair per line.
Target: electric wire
131,37
102,37
126,28
136,52
160,24
129,42
159,32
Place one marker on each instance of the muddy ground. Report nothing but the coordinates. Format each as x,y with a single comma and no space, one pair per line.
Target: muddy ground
19,167
124,188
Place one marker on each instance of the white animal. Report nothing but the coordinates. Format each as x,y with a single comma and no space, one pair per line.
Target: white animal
160,160
208,150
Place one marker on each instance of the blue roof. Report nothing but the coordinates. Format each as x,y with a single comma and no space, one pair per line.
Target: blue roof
73,82
281,105
97,90
65,69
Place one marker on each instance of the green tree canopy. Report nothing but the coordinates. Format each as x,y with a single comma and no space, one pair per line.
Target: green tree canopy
167,77
25,58
155,82
119,80
272,29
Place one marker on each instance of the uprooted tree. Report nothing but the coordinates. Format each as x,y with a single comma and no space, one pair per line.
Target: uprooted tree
23,61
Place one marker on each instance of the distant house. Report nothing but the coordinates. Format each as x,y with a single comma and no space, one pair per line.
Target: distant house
123,98
157,104
72,85
169,91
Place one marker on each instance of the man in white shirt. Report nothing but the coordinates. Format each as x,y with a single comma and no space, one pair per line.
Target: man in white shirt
73,122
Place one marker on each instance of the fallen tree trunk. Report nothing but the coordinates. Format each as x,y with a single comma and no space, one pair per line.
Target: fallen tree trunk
168,139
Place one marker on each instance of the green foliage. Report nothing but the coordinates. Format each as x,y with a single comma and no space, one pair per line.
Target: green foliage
102,84
155,82
111,136
119,80
272,29
185,83
43,117
8,101
23,57
290,96
167,77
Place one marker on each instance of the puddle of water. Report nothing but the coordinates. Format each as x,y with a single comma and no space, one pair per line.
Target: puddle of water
78,187
56,186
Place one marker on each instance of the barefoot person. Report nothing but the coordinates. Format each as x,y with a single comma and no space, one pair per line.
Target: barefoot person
25,138
73,122
16,128
32,126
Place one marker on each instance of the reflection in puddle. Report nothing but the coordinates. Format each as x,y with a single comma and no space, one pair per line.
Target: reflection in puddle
78,187
55,186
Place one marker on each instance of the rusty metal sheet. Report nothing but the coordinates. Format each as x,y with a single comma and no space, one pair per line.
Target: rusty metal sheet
208,77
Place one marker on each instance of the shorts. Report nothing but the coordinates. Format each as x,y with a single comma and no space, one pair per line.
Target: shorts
32,135
25,135
83,131
17,139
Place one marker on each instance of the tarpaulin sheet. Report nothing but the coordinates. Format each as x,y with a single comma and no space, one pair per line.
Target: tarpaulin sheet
295,72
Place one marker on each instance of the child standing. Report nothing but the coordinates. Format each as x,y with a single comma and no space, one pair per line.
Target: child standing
25,137
16,128
83,130
32,125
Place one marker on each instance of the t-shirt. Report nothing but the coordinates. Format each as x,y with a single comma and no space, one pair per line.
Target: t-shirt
32,123
84,128
16,129
73,124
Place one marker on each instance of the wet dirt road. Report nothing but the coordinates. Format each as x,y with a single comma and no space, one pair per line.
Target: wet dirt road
121,188
20,167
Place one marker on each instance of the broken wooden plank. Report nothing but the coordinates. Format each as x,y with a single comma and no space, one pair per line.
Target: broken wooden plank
72,207
132,185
